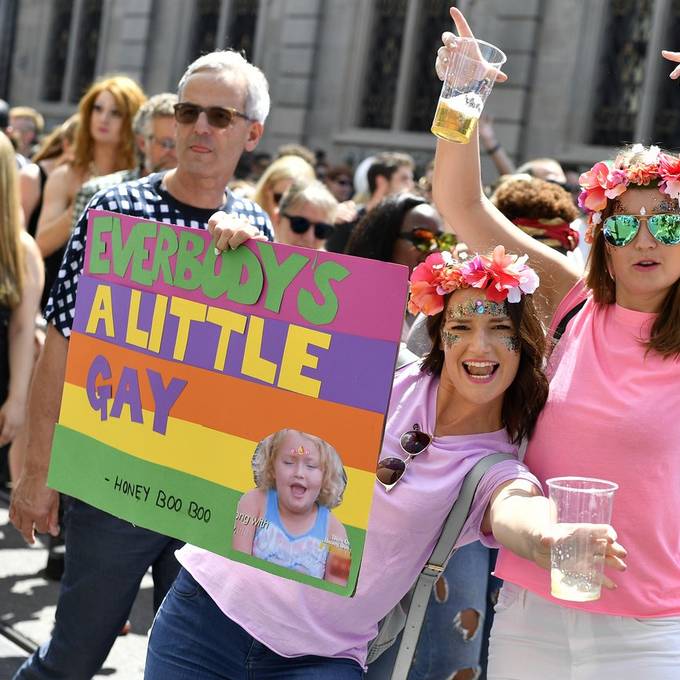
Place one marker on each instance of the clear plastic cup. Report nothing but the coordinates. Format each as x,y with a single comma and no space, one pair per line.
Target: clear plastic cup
470,75
577,556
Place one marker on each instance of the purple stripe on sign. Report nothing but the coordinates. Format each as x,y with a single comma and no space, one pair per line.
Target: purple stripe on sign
353,371
372,298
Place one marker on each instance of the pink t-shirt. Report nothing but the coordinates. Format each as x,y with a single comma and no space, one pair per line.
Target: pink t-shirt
614,413
293,619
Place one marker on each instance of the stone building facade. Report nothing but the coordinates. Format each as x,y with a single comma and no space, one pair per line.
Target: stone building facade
352,77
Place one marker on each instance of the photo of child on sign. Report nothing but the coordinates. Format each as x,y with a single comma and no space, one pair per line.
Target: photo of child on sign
287,518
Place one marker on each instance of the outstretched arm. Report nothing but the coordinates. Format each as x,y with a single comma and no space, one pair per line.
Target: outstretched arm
458,194
519,518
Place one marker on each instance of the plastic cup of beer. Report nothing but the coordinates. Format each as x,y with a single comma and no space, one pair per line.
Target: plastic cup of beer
470,75
577,556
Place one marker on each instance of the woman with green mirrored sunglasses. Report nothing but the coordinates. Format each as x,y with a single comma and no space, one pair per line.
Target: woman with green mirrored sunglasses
612,411
620,230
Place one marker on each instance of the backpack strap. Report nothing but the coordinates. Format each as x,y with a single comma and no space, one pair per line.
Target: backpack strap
562,325
441,554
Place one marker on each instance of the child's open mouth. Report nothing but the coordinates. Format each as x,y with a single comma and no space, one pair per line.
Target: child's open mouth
297,490
481,371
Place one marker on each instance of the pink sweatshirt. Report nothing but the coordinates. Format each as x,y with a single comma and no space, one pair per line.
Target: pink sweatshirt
614,413
293,619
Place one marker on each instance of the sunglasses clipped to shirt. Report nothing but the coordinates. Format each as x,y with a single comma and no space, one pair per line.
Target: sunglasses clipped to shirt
301,224
187,113
620,230
391,470
426,240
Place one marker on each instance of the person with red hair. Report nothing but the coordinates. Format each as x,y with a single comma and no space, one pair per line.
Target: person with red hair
104,143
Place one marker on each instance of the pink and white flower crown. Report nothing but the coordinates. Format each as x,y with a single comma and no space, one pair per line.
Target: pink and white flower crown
606,180
501,277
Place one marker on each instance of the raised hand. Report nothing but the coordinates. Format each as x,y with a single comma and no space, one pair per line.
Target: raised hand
675,57
446,51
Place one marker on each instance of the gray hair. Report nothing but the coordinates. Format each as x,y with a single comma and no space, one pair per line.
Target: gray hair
313,193
257,92
160,105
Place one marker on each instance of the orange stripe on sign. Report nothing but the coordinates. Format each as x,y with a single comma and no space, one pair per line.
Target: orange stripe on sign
239,407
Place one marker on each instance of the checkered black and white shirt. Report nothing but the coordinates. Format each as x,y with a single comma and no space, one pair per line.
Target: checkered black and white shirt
143,198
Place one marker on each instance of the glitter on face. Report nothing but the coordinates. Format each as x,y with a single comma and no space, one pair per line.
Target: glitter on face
450,338
643,210
666,206
474,307
300,451
511,342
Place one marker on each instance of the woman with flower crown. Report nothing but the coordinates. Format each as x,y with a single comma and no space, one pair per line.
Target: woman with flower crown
612,411
478,391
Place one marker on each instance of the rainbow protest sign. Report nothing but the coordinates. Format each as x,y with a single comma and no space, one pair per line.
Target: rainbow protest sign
182,360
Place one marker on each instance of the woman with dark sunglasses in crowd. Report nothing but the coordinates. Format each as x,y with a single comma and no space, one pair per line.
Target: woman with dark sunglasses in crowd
403,229
612,412
478,391
305,215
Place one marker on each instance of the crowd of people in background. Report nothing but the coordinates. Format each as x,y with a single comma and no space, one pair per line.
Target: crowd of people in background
183,157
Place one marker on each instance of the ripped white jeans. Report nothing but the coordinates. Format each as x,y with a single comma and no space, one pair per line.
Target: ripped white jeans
534,639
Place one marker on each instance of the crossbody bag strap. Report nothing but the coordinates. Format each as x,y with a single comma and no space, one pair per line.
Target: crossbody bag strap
562,325
441,554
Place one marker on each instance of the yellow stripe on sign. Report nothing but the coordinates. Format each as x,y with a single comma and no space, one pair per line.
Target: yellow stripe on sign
197,450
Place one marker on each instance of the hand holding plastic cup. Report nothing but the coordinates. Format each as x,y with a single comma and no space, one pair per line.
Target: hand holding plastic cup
471,69
581,509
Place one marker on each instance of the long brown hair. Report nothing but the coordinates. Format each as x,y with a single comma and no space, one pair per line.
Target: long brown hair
11,252
526,396
665,333
129,97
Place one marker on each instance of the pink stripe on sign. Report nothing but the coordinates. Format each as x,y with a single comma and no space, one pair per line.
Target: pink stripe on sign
371,296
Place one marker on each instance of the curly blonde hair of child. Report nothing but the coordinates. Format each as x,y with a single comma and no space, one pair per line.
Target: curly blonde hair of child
334,479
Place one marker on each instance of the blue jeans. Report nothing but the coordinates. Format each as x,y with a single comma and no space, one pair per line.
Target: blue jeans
448,641
192,639
106,559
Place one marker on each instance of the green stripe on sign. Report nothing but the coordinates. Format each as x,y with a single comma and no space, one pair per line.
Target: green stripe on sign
165,500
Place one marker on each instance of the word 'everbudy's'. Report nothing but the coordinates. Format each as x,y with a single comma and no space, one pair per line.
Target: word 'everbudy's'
239,275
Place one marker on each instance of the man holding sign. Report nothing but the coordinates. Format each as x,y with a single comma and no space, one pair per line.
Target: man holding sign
223,104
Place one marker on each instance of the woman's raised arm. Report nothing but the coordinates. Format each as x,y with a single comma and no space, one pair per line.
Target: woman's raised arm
458,194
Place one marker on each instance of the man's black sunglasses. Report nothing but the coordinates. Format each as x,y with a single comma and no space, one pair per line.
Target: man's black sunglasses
301,224
187,113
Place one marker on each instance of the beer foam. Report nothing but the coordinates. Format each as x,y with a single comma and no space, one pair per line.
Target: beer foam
468,104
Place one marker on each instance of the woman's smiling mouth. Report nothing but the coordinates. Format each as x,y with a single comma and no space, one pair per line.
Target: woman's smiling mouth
480,371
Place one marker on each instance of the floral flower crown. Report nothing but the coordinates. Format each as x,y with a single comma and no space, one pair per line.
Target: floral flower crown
501,276
609,180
